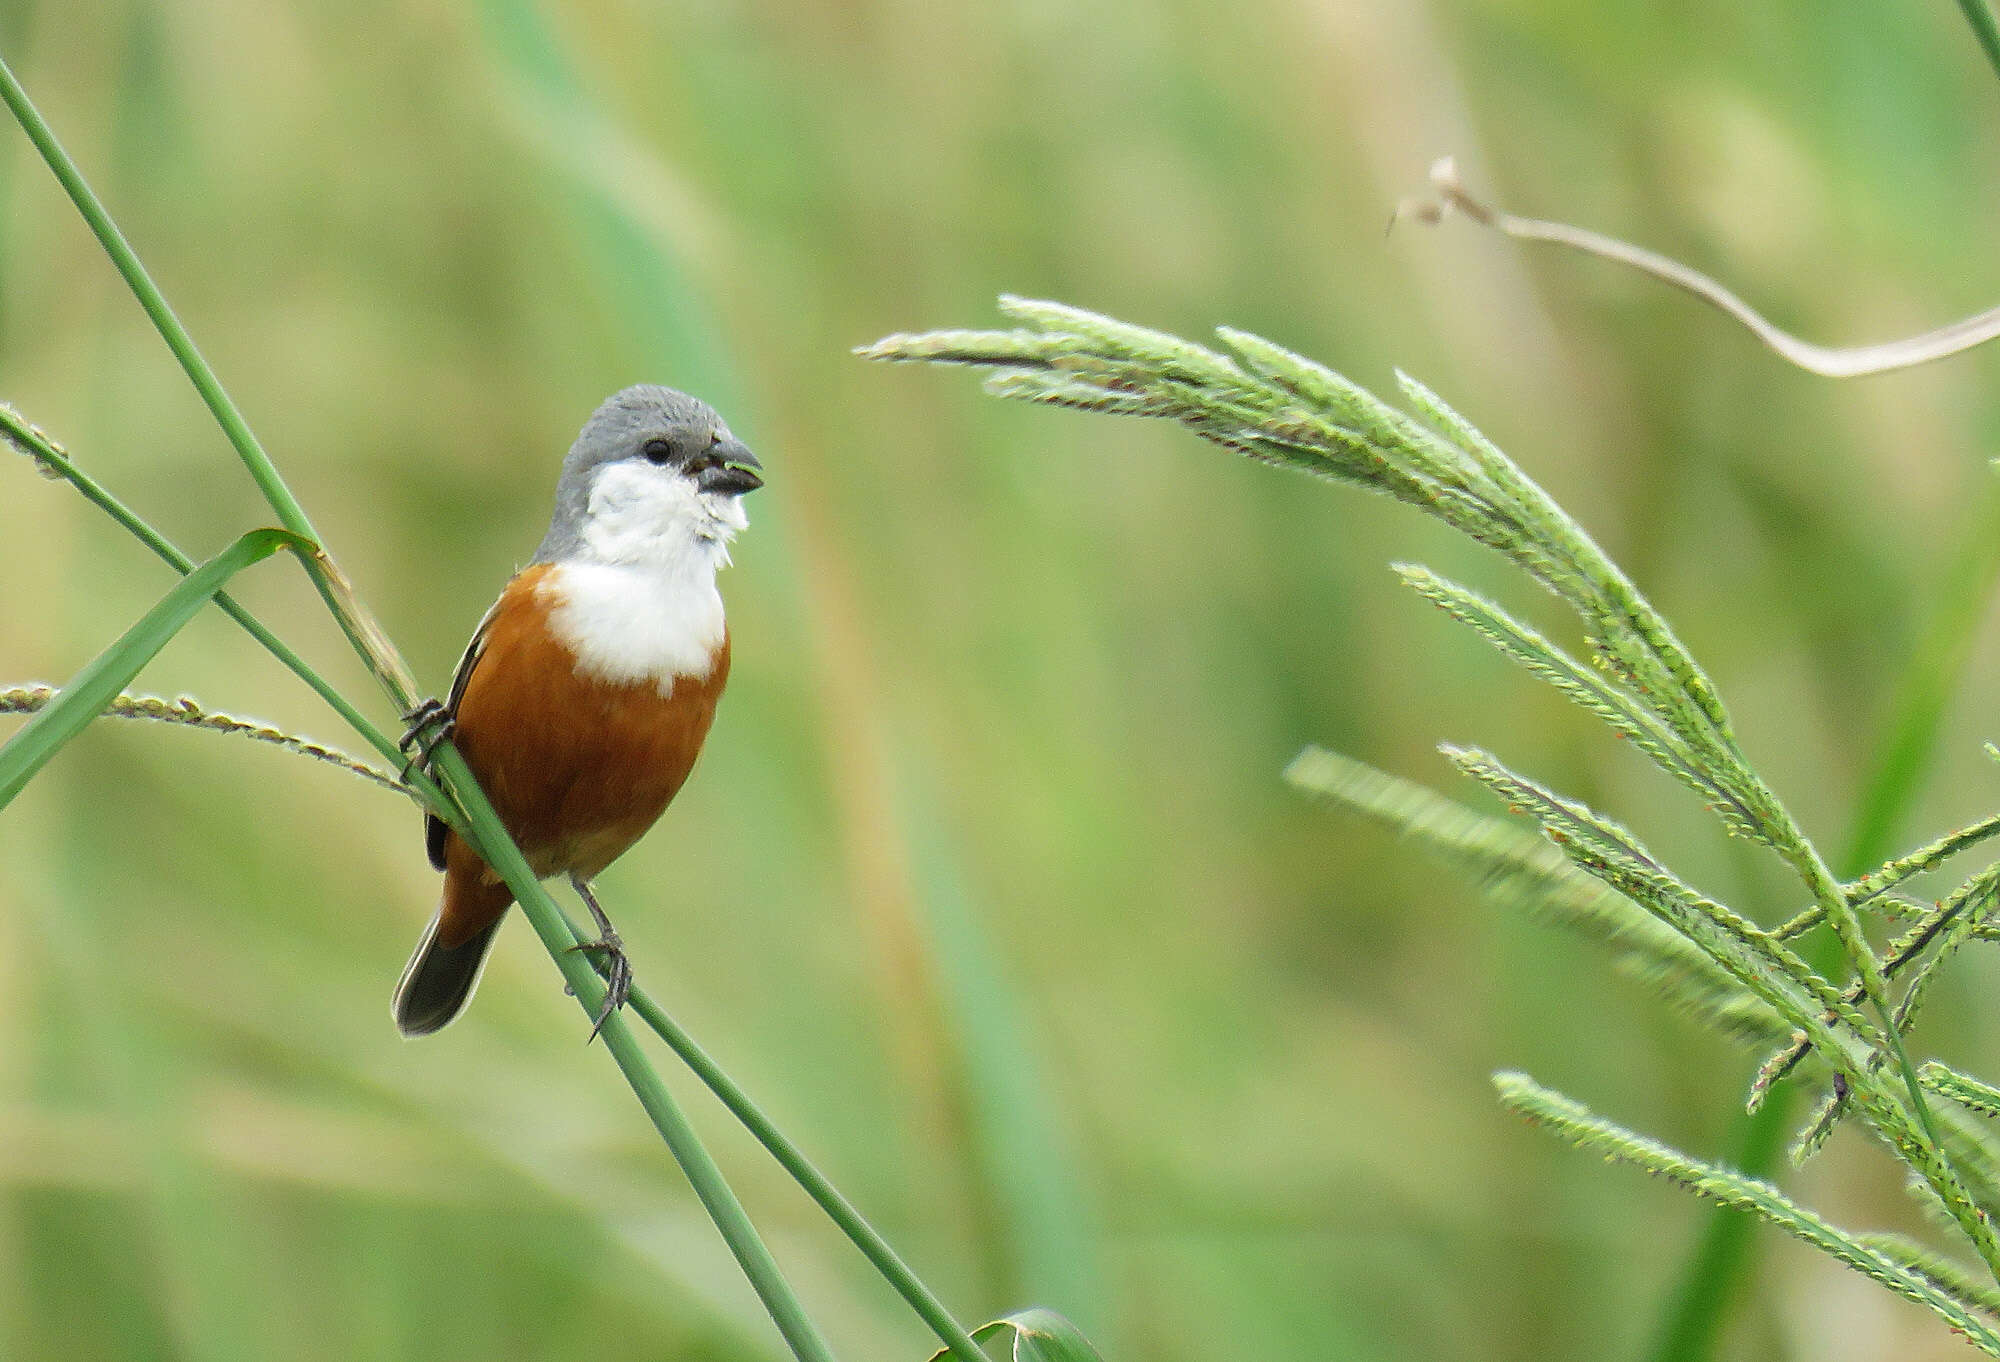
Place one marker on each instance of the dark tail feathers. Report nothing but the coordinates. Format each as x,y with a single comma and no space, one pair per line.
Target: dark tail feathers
438,981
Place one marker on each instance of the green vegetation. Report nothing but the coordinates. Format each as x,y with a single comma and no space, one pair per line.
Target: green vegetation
988,885
1276,407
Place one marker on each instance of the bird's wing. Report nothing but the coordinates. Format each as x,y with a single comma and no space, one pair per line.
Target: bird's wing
435,827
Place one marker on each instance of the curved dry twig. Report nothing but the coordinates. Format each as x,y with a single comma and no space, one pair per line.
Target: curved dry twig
1829,362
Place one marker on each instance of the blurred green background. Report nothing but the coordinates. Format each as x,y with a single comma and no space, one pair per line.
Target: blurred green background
987,885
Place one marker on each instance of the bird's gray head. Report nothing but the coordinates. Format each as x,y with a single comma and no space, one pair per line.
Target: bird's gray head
654,475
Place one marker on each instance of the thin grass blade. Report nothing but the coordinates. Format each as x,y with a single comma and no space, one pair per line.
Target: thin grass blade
98,684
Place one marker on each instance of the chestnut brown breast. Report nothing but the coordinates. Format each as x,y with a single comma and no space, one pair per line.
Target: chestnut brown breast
577,768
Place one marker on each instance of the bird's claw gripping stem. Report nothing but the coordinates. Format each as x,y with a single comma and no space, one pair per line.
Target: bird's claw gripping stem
430,723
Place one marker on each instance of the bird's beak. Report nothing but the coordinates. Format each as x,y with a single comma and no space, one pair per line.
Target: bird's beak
732,477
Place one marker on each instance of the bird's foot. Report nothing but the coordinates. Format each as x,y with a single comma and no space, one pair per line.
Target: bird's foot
430,723
607,955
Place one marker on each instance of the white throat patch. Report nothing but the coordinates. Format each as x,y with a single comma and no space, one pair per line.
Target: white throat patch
637,602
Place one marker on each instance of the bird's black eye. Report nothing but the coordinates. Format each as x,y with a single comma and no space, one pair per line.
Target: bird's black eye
658,451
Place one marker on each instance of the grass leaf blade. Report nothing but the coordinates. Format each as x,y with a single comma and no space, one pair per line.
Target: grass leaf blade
99,683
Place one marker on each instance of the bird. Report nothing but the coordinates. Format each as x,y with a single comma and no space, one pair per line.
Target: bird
588,689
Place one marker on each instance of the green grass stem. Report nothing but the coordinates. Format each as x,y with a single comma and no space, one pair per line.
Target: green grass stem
648,289
957,1340
126,260
52,458
489,837
497,848
362,631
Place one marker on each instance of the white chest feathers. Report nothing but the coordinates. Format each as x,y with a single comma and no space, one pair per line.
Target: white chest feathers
631,623
635,600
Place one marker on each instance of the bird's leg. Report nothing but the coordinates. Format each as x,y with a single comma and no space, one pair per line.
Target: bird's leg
430,723
607,954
